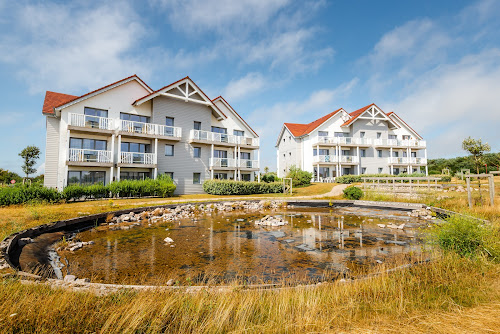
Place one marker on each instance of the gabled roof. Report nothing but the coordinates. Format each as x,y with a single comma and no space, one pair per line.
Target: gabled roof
393,114
303,129
53,99
355,115
164,92
75,99
232,109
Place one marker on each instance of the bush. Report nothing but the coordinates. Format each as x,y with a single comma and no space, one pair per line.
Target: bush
444,178
27,194
348,179
299,177
269,177
467,237
353,193
228,187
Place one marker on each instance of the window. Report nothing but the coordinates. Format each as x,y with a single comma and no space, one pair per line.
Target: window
245,155
86,177
95,112
323,172
134,118
135,147
395,154
405,154
323,133
217,129
134,175
196,178
197,125
220,154
406,137
322,151
239,133
245,177
169,150
340,134
362,134
170,174
283,139
220,176
379,152
363,170
413,154
363,153
380,169
393,137
346,152
379,134
169,121
89,149
197,152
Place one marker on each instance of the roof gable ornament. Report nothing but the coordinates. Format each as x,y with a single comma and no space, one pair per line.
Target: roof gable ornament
345,117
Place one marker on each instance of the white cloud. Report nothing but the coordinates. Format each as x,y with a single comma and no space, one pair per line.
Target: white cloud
71,47
245,86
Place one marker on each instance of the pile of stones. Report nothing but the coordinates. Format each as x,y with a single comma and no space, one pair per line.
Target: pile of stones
73,246
271,221
422,214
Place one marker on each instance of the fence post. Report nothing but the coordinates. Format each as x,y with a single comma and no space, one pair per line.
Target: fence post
491,186
469,197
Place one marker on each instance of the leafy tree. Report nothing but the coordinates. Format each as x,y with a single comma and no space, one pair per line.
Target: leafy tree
299,177
30,155
7,176
477,149
266,170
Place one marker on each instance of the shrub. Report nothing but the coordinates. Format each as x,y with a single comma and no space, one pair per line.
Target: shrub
353,193
299,177
26,194
228,187
444,178
270,177
348,179
467,237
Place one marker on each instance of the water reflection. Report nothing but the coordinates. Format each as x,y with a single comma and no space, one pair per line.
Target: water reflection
314,245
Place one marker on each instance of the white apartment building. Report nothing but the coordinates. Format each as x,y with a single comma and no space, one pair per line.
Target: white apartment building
366,141
128,131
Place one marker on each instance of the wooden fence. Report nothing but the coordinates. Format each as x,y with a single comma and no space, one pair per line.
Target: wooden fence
401,184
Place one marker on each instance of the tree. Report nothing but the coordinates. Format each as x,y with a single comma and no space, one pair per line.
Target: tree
477,149
266,170
30,155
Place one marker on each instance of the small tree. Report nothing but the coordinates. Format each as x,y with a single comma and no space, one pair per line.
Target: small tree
30,155
477,149
266,170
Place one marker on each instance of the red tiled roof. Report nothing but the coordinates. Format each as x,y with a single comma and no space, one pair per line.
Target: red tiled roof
53,99
302,129
355,114
73,98
223,99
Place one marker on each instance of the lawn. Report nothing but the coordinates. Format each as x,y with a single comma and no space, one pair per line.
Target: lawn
451,294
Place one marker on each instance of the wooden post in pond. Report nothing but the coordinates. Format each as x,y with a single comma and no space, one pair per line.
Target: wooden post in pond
469,196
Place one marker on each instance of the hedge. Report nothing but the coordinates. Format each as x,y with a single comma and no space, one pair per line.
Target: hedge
347,179
162,187
227,187
353,193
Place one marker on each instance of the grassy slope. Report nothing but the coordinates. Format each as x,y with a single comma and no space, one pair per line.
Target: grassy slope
450,295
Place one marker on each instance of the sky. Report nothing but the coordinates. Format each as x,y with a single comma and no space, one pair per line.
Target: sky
435,63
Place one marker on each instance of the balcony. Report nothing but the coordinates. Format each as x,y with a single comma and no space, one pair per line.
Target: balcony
344,141
216,163
400,143
398,161
418,161
212,138
250,164
347,159
169,131
85,157
247,141
150,130
325,159
90,123
135,158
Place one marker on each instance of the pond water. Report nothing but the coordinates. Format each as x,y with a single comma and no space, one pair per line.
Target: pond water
317,244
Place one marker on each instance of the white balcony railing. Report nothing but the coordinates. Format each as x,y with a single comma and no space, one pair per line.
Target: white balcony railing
82,155
137,158
418,161
137,127
170,131
246,163
400,143
325,158
87,121
399,161
212,137
349,159
342,140
222,162
247,141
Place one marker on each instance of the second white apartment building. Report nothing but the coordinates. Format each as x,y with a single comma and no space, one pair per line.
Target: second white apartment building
366,141
126,130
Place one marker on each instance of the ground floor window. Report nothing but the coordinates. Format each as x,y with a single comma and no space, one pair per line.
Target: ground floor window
196,178
245,177
220,176
323,172
86,177
347,171
134,175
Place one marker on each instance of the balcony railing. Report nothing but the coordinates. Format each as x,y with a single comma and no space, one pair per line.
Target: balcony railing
342,140
244,163
247,141
349,159
325,158
137,158
87,121
137,127
418,161
400,161
222,162
212,137
83,155
170,131
400,143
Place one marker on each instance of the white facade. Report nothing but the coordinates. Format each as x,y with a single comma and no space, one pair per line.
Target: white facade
367,141
141,133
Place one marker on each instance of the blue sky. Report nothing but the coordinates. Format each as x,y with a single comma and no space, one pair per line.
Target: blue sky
434,63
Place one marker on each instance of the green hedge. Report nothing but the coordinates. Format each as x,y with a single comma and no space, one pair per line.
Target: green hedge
227,187
353,193
299,177
347,179
162,187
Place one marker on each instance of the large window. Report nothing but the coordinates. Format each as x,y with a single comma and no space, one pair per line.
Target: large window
87,144
239,133
245,177
95,112
86,177
169,150
322,151
323,172
135,147
134,175
134,118
220,154
245,155
217,129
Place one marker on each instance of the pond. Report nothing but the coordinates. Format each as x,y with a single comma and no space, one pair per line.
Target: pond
315,244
